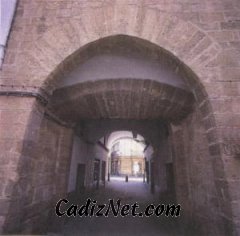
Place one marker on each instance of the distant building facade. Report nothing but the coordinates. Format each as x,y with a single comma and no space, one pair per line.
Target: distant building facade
127,158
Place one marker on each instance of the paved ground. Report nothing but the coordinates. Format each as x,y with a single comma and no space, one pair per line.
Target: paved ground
133,191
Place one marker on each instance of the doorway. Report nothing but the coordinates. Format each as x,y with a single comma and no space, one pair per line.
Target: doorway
81,169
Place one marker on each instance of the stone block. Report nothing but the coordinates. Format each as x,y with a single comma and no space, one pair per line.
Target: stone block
222,36
230,74
231,25
4,206
209,17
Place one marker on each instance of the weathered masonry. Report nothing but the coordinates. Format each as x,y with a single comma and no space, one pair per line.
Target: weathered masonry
76,71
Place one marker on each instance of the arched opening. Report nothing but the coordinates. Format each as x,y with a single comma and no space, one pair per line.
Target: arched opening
126,83
126,156
120,79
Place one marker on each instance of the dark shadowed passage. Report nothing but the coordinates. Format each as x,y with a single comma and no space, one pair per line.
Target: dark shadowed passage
129,193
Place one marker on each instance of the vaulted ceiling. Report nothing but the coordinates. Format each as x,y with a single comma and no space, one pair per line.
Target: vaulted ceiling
121,78
122,99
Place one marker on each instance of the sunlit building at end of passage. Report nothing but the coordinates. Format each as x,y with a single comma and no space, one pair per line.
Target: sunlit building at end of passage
127,157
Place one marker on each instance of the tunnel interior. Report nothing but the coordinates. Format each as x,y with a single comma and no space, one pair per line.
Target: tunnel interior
127,84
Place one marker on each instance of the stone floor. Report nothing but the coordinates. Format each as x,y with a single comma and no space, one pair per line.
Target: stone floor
130,192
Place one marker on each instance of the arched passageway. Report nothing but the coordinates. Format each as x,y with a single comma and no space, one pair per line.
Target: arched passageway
111,84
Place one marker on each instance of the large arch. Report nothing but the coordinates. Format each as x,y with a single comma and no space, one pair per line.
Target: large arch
59,44
56,51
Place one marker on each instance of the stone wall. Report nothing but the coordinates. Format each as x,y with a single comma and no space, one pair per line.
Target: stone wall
79,156
19,136
41,162
158,156
99,152
48,175
218,19
194,178
84,153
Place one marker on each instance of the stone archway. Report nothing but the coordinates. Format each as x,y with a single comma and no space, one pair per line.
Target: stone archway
54,53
